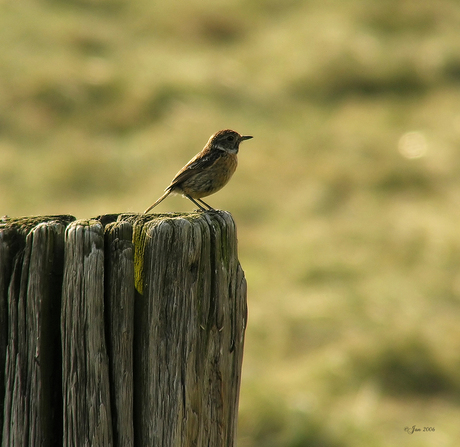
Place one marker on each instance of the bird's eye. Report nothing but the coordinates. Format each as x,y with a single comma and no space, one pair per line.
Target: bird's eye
230,138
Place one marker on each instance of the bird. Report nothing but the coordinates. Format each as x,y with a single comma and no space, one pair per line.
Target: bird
207,172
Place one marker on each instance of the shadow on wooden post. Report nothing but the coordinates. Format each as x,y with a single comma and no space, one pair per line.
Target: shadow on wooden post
123,330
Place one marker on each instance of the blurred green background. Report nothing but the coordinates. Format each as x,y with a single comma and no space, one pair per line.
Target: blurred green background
346,200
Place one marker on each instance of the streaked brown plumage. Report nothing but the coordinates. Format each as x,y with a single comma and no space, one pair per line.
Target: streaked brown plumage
208,171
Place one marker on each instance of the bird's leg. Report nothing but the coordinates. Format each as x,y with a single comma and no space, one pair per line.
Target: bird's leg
204,203
195,202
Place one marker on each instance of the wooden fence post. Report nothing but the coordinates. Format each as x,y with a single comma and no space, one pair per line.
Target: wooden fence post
31,252
122,330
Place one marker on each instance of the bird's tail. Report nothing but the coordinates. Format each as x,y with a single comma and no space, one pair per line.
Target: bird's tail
166,194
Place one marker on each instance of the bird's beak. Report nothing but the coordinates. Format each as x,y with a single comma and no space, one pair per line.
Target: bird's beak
245,137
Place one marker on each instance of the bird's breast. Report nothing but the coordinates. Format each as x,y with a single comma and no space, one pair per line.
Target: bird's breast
211,179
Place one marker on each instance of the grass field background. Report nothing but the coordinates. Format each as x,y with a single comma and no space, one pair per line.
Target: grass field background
347,199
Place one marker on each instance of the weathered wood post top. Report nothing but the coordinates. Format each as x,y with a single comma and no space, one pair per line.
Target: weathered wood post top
123,330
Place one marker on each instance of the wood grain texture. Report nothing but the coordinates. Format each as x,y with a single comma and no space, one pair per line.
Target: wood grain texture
87,416
32,364
124,330
191,321
119,300
8,250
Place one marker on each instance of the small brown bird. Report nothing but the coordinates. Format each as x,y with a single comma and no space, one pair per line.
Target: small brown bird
208,171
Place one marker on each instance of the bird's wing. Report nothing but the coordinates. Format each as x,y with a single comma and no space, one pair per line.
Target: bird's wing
197,164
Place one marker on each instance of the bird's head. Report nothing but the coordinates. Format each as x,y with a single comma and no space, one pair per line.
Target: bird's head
227,140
